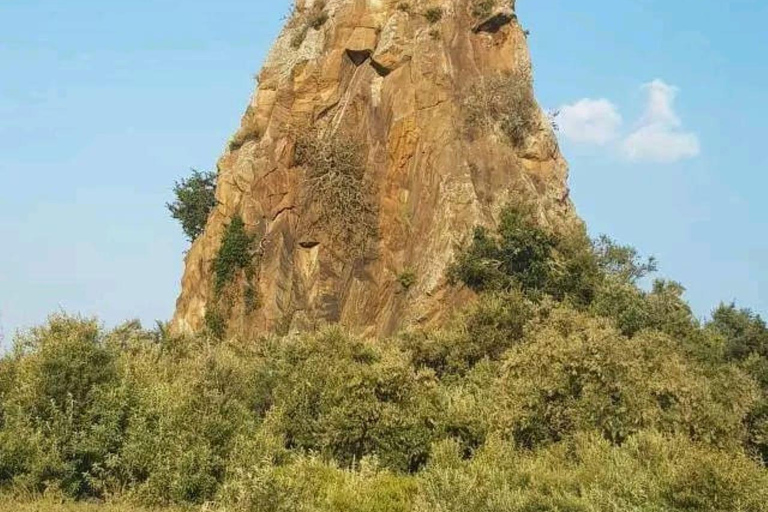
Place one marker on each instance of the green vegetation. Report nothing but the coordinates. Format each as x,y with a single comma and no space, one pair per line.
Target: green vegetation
565,386
434,14
234,273
195,199
234,253
407,278
215,323
59,505
501,103
650,472
744,341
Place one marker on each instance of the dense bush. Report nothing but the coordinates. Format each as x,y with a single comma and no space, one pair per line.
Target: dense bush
64,408
523,254
349,399
745,333
519,254
485,331
650,472
308,483
577,373
195,199
566,266
564,386
744,338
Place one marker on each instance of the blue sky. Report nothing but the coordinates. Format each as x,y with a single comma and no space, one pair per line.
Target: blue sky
104,104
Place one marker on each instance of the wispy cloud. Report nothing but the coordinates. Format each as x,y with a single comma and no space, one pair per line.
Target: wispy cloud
590,121
658,135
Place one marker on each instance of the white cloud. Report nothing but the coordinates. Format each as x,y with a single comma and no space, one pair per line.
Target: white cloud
590,121
660,137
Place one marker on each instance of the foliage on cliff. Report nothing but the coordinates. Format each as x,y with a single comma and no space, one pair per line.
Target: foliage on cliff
195,199
565,386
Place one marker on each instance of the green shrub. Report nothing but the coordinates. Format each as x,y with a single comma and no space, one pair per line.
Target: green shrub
327,421
7,382
234,253
576,275
195,199
407,278
567,266
744,331
434,14
485,331
564,386
520,254
576,373
64,412
622,262
308,483
650,472
189,409
633,309
757,430
347,399
745,342
215,323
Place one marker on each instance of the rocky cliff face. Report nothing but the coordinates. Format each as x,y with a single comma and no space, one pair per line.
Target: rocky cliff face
380,133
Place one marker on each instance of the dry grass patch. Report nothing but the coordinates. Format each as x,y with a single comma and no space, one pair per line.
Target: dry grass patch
335,180
311,19
504,103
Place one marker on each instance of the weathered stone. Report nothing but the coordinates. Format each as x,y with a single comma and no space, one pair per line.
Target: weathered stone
386,77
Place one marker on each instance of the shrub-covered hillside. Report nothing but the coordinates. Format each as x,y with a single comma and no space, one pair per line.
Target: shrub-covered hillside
565,387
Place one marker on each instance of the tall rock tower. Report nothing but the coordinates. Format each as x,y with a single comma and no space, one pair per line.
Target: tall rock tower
380,133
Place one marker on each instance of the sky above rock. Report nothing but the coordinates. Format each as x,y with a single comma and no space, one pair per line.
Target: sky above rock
662,116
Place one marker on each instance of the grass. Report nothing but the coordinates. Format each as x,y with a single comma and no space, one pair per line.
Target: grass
8,504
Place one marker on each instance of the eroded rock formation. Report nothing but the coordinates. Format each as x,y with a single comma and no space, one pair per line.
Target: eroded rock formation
380,133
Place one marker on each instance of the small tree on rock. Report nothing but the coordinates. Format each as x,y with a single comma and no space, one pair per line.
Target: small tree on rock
195,198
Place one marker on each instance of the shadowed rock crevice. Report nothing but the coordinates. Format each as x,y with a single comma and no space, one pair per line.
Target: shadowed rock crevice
495,22
358,57
381,70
